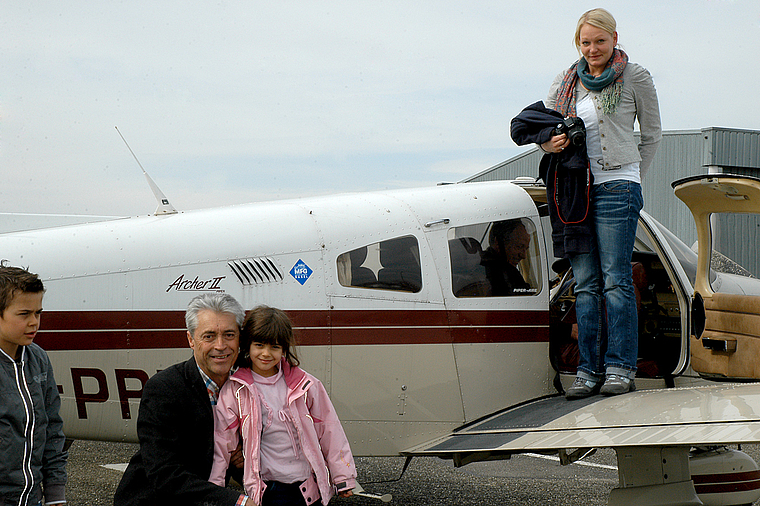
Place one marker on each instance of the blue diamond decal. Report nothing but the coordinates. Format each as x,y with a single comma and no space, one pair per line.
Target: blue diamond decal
301,272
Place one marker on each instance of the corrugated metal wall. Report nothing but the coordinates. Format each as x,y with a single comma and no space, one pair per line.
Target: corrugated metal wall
731,148
734,236
682,153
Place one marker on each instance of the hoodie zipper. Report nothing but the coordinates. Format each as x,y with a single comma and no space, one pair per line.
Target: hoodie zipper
26,398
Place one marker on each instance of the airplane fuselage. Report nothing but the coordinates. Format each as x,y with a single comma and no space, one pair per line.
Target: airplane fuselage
405,359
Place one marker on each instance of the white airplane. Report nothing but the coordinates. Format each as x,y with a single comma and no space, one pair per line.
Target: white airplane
420,353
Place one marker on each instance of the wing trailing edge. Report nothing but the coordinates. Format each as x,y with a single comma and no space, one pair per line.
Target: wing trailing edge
692,416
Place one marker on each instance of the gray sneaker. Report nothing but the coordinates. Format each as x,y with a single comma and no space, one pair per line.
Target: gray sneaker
616,385
582,388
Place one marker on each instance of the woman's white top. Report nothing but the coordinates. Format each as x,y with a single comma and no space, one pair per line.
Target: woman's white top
586,109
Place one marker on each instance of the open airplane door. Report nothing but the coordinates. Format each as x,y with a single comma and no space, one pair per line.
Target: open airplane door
725,341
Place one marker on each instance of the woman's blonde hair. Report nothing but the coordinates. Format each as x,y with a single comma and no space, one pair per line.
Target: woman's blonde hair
599,18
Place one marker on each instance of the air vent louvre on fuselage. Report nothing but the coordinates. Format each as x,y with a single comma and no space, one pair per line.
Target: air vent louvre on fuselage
256,271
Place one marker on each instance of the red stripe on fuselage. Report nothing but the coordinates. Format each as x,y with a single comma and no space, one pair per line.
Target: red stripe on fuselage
726,483
103,330
726,477
112,320
727,488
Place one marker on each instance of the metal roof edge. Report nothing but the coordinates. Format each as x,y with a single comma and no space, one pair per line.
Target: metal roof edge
501,164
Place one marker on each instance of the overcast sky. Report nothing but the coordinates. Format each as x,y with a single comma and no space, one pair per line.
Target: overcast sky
239,101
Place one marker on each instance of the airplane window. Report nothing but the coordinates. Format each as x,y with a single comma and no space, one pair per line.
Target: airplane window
387,265
498,259
731,233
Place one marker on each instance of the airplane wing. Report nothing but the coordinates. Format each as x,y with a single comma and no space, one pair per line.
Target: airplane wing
652,432
692,416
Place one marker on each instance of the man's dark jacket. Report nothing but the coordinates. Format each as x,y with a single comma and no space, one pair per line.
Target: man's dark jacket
567,177
176,431
505,278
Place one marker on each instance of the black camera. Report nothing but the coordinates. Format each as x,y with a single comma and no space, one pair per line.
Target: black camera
574,129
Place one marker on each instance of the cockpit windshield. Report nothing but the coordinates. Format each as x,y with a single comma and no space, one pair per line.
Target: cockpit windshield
685,256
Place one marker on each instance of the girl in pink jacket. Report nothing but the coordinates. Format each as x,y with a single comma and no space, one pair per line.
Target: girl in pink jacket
294,446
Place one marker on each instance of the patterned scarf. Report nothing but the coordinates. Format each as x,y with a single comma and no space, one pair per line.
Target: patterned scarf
609,96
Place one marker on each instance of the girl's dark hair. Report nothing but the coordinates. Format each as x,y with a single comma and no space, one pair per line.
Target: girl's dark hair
267,325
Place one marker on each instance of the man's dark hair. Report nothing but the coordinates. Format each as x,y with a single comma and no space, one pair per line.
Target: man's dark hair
501,232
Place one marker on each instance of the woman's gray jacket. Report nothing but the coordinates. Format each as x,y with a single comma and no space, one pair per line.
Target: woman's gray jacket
638,101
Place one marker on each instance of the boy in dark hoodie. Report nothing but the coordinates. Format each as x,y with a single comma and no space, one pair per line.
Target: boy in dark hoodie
31,429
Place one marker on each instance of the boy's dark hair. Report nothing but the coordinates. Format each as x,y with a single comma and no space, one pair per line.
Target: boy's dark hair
16,279
267,325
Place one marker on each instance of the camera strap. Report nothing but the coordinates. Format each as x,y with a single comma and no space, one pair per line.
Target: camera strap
587,196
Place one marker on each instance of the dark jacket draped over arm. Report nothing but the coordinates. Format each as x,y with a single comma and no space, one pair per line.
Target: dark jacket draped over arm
567,176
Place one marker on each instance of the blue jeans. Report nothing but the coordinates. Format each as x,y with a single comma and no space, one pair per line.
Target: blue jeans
604,284
282,494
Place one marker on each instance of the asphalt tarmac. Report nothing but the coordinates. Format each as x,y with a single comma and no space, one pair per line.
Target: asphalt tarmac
94,473
427,481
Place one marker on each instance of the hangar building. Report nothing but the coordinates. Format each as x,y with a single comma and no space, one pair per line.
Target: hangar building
682,153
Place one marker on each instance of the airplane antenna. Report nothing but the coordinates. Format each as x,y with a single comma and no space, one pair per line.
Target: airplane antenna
164,207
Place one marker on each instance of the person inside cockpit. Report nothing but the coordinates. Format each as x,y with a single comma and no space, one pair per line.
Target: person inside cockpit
508,245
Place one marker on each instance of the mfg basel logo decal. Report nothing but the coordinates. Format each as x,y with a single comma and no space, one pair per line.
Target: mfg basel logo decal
301,272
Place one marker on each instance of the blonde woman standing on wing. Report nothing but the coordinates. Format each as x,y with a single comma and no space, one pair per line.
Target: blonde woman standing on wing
609,93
